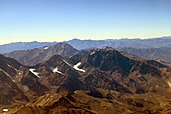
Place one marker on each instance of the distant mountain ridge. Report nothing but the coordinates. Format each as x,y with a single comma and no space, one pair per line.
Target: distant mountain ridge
121,43
34,56
6,48
162,54
85,44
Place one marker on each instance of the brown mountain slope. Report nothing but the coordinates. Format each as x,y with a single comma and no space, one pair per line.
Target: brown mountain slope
106,69
102,81
59,75
81,103
38,55
18,84
139,76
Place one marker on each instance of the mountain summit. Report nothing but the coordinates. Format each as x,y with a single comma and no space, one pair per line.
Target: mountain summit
89,81
38,55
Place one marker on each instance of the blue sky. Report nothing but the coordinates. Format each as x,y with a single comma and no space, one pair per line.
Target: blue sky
59,20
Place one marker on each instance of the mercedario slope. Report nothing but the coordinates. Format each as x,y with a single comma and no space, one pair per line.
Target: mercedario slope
38,55
100,81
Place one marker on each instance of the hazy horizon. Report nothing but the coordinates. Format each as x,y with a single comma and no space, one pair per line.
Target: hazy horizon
62,20
82,39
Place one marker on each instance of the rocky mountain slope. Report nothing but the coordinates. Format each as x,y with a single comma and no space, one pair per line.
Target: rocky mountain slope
18,84
80,102
38,55
161,54
96,81
103,68
139,76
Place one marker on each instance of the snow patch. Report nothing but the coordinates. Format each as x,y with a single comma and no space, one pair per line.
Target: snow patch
5,110
168,82
67,63
45,48
11,67
13,80
35,73
131,69
76,67
6,73
19,73
57,71
92,53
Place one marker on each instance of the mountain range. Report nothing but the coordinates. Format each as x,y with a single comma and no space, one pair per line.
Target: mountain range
88,44
121,43
61,79
34,56
6,48
159,54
